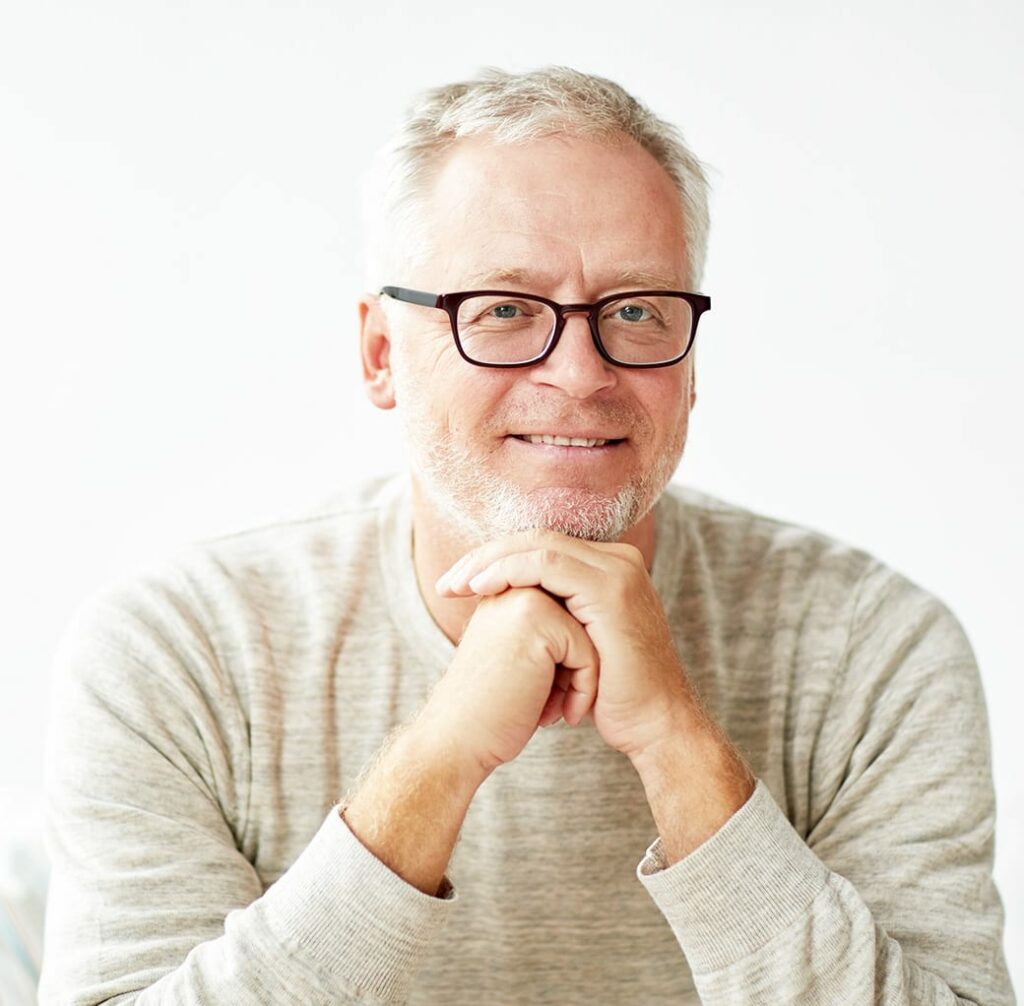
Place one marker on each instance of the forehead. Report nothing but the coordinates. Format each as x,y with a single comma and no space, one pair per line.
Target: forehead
552,211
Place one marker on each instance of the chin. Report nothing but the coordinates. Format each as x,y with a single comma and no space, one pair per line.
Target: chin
483,504
580,513
487,508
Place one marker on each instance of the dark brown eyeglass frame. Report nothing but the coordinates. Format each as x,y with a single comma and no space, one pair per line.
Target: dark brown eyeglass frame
449,302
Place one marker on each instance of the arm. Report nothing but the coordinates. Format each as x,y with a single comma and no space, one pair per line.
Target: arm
151,900
148,783
501,686
409,806
889,898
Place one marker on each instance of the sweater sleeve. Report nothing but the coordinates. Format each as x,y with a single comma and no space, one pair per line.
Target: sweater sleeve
890,897
150,899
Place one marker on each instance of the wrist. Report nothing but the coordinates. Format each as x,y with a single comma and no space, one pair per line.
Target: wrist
431,740
408,806
694,781
683,736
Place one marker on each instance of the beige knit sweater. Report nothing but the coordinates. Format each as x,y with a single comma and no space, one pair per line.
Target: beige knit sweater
208,715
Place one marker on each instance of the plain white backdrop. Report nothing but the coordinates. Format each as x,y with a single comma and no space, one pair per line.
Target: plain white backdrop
180,258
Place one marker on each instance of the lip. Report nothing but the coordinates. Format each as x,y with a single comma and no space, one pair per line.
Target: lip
574,435
561,453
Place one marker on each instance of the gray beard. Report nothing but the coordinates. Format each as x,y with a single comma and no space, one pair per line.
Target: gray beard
484,506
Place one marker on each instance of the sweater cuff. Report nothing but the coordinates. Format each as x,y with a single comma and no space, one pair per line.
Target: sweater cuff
361,921
737,890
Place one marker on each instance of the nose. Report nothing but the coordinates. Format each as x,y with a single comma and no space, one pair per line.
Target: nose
575,365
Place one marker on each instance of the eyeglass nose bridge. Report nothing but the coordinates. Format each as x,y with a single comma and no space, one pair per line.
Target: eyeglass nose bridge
560,319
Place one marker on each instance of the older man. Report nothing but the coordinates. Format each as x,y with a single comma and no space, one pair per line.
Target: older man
794,733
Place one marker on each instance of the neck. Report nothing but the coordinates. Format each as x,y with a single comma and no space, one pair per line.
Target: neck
438,545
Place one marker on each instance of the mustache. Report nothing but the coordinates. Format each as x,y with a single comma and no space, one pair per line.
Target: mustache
618,418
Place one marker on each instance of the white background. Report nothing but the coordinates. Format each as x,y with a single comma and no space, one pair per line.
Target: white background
179,260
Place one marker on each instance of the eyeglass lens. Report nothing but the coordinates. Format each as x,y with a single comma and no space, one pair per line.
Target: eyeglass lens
647,329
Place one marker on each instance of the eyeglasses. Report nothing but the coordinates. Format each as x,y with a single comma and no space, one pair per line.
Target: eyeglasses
497,328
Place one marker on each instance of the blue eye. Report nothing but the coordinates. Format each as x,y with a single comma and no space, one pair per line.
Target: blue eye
632,312
504,310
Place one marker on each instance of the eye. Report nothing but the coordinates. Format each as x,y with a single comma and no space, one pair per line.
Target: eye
633,312
506,311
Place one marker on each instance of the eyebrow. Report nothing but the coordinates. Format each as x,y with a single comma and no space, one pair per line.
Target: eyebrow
638,279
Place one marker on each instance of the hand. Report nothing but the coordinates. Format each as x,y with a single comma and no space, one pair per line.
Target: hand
522,662
643,694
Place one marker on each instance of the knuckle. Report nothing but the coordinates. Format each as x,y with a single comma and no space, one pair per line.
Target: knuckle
518,600
629,552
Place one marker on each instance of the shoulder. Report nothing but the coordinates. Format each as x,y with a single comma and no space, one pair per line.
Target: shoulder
763,572
346,518
210,598
737,533
744,556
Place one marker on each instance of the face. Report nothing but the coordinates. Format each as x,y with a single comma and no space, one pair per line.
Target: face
571,219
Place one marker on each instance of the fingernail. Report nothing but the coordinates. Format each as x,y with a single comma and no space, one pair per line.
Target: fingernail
447,578
455,573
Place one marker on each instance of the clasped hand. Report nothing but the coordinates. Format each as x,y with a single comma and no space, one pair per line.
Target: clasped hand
622,669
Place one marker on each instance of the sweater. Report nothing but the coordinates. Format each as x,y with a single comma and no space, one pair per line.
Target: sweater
209,712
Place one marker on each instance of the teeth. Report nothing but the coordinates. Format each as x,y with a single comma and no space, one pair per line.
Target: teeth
547,438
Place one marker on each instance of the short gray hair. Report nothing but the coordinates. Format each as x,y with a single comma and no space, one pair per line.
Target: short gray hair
514,108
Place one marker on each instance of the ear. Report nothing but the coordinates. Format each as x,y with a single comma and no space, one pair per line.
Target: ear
375,348
693,380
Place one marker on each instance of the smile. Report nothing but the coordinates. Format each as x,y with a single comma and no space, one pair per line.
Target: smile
565,446
551,438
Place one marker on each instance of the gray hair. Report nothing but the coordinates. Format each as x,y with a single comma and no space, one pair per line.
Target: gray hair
514,108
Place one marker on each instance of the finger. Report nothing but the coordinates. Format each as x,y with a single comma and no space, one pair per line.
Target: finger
567,699
556,572
455,579
580,672
563,678
575,706
575,659
580,696
553,708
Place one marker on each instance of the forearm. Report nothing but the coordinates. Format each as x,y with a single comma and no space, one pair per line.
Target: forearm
408,807
694,782
337,921
760,918
150,898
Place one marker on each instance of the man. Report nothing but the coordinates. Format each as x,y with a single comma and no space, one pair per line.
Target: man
795,733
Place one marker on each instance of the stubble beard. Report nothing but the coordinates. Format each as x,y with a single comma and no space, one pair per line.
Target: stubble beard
484,505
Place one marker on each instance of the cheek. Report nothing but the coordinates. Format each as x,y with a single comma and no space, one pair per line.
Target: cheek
662,399
474,402
440,390
420,362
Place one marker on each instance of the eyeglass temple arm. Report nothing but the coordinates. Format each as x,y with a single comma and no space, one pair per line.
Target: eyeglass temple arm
412,296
